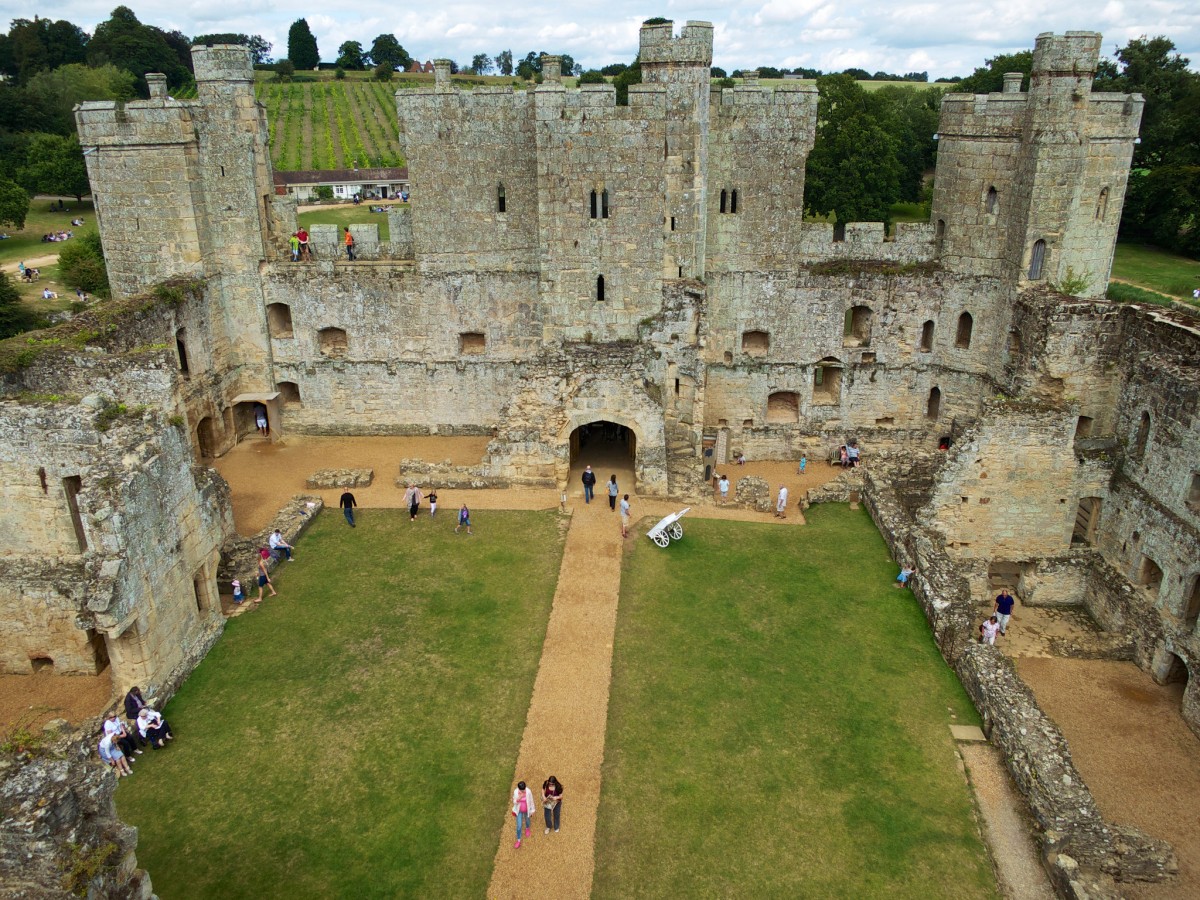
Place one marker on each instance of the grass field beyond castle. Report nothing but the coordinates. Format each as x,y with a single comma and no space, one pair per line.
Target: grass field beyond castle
779,724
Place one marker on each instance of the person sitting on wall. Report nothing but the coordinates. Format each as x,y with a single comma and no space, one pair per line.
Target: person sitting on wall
112,756
154,728
280,547
852,454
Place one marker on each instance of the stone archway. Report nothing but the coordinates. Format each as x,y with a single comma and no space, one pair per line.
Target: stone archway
619,445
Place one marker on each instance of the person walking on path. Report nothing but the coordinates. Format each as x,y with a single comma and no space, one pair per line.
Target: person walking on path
464,518
264,579
613,490
589,484
349,241
1003,609
803,463
723,487
552,792
260,419
239,593
522,806
412,499
781,503
988,631
432,503
625,516
347,504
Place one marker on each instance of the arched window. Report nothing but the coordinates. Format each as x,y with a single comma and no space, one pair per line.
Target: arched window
501,202
181,348
857,330
599,288
279,320
993,201
1143,435
756,343
332,342
289,393
1102,205
934,407
927,336
962,338
783,407
827,381
1083,428
1036,259
1150,575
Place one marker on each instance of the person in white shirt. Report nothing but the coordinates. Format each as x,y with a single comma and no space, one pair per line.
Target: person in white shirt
723,487
113,756
781,503
280,547
522,809
154,728
988,631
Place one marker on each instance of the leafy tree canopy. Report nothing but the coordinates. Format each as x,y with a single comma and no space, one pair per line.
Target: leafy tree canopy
14,318
481,64
302,46
14,204
54,165
81,264
989,78
504,63
56,92
386,50
351,56
853,172
38,45
126,43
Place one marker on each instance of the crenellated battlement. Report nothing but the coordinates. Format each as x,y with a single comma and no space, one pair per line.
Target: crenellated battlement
223,62
660,49
1073,53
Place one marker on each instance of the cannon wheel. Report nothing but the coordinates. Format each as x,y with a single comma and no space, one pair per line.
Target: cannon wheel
661,539
675,530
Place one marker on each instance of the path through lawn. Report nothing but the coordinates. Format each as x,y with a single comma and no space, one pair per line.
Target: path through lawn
778,724
355,736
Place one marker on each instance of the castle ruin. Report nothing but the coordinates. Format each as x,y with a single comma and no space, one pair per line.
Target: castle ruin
567,261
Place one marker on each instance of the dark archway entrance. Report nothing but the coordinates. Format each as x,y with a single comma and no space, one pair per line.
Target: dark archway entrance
610,449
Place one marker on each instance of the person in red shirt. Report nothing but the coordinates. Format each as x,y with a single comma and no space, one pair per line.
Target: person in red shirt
349,244
303,235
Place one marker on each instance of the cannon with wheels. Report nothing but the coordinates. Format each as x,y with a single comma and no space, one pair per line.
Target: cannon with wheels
668,528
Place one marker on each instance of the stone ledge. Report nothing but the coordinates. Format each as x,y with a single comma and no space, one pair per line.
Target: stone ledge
340,478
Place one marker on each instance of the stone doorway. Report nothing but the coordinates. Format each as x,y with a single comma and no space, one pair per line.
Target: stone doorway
610,449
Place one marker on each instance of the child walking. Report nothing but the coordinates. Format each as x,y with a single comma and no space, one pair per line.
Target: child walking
464,518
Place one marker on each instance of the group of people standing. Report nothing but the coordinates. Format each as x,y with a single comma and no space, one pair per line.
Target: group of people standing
589,491
522,807
121,744
996,624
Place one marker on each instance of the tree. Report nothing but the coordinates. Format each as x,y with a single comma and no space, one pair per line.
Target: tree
285,70
54,165
530,67
769,72
56,92
383,72
386,50
568,64
504,62
14,318
717,72
14,204
350,56
631,75
40,45
592,77
127,44
989,79
911,116
614,69
1163,195
852,170
302,46
81,264
260,47
481,64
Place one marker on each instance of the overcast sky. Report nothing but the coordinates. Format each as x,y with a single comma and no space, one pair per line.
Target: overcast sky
943,38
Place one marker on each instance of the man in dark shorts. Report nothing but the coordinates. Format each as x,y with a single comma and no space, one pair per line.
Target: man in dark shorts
348,503
1003,609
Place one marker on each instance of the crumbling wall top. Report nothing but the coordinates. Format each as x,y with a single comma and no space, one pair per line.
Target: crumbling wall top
222,62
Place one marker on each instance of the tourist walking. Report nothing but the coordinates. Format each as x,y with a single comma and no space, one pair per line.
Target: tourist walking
781,503
589,484
552,792
412,499
522,806
239,593
432,503
723,487
1003,609
260,419
613,491
264,579
347,504
803,463
988,631
464,519
349,240
625,516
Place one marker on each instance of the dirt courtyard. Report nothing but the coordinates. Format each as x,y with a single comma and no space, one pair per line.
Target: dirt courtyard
1133,749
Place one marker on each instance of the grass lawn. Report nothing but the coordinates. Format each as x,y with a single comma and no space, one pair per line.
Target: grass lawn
356,736
344,214
27,243
1156,269
779,724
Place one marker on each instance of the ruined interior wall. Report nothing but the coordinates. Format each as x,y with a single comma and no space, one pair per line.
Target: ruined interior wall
40,601
1008,487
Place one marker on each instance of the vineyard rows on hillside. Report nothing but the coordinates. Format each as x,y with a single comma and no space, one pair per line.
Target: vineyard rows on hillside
331,124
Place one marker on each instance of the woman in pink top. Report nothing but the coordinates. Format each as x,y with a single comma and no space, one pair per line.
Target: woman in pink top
522,808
